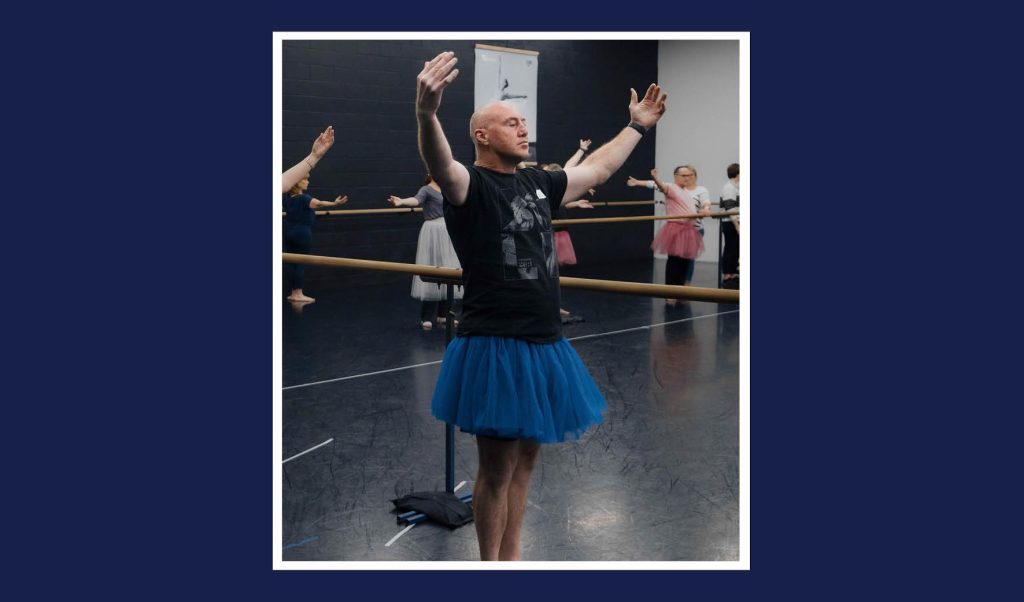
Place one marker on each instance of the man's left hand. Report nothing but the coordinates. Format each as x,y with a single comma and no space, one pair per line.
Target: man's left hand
648,111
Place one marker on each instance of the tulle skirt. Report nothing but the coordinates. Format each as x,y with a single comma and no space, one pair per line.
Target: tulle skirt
505,387
434,248
680,239
563,248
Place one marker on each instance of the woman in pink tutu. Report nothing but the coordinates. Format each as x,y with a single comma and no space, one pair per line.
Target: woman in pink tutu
680,239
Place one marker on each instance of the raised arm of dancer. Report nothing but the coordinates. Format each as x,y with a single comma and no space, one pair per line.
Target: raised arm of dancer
317,203
575,159
406,202
658,183
631,181
300,170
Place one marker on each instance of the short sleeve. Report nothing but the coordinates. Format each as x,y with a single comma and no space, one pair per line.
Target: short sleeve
555,183
702,197
672,192
422,195
461,216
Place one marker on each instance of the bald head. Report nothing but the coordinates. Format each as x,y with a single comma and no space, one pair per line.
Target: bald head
488,114
499,134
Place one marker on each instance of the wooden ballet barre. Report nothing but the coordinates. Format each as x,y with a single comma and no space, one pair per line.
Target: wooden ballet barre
369,264
619,203
640,218
420,209
645,289
365,211
693,293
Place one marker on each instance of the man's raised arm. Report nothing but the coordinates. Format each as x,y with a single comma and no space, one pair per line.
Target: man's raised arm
609,158
449,174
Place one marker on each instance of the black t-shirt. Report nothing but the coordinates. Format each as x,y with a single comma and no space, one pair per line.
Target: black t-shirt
727,204
297,209
560,214
502,235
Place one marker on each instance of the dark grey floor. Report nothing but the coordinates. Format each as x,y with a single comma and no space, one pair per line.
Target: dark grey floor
659,480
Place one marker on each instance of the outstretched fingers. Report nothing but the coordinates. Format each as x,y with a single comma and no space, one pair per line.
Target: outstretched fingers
652,92
428,65
655,99
438,73
323,142
661,103
441,69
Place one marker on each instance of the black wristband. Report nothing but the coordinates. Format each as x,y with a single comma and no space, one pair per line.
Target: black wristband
636,126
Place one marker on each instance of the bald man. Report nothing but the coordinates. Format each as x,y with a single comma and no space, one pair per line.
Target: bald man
510,377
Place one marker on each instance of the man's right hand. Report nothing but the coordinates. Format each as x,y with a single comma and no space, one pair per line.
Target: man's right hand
432,81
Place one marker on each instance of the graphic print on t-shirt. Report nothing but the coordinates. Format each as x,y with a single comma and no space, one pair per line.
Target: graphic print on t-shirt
522,229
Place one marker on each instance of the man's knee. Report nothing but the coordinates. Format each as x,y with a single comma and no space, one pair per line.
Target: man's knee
529,451
497,461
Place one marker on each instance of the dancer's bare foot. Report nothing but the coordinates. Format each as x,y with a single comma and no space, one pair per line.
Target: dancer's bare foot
563,312
298,305
300,297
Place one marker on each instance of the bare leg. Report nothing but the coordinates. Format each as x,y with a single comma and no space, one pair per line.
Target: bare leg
527,458
498,460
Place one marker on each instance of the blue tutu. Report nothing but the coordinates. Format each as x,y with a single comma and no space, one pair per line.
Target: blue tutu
504,387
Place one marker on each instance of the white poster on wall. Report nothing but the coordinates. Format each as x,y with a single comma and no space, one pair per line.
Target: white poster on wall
508,74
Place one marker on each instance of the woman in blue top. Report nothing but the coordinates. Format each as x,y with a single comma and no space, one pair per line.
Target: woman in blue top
298,231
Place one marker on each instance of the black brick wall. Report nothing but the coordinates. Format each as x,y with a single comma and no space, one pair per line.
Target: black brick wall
366,90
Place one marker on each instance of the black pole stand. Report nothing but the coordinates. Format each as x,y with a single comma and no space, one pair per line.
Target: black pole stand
721,235
449,430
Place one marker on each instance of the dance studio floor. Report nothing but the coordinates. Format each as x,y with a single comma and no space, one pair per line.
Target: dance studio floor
659,480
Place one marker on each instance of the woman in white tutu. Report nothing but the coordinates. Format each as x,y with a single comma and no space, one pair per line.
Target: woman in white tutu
680,239
434,248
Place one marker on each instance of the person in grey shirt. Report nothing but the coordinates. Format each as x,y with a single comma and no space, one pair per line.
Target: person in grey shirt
434,247
729,199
